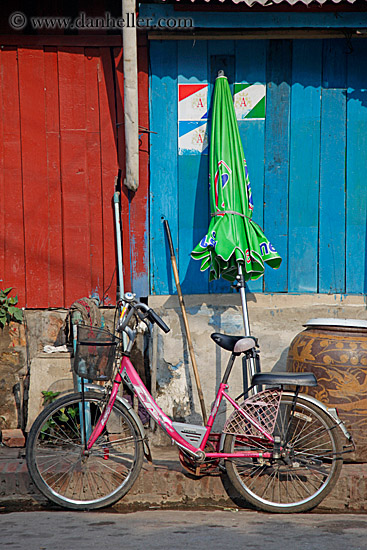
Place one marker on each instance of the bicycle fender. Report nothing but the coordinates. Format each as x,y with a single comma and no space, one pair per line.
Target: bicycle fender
125,404
331,412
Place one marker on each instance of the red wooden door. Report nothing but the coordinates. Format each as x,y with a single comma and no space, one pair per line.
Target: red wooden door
61,146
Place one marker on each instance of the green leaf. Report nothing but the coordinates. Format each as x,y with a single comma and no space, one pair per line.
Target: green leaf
72,412
8,309
18,314
49,396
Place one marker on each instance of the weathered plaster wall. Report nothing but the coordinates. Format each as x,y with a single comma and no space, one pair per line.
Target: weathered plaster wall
274,319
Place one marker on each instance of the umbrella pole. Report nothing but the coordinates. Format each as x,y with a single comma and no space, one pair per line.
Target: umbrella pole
186,323
246,324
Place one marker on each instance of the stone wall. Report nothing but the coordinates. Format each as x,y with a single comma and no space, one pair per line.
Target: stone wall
21,346
13,368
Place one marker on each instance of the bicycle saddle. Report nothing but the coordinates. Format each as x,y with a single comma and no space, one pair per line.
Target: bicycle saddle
284,378
236,344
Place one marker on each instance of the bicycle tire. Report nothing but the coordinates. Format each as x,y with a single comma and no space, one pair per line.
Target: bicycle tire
298,481
69,478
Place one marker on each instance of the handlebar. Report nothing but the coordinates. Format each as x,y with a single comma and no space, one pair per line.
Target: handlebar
154,318
131,306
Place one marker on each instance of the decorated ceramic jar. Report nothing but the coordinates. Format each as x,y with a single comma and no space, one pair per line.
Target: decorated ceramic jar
335,350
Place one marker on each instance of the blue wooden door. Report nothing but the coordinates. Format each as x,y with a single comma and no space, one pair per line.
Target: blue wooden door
307,160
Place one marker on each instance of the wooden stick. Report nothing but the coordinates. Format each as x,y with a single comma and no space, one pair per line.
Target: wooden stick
186,323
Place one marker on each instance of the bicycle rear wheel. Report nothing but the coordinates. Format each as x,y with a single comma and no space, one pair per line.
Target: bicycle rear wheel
68,476
307,470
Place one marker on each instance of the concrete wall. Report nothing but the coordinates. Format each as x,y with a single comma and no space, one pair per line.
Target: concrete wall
274,320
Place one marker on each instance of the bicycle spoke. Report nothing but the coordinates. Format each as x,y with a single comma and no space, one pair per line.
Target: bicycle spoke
305,470
67,474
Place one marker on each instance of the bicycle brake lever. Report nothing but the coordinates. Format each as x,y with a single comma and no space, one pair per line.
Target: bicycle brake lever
144,318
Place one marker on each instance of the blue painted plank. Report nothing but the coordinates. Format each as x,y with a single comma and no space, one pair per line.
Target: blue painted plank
277,158
192,61
251,69
304,166
193,191
193,220
247,20
332,169
356,277
163,162
221,47
221,56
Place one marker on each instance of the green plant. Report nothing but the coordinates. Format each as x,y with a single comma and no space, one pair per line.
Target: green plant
8,310
49,396
65,421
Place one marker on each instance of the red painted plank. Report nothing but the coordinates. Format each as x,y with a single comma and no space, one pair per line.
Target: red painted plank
55,40
92,64
72,85
35,188
14,272
76,214
109,170
55,245
139,206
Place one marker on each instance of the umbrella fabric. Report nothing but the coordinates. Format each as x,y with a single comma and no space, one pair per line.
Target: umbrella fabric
232,236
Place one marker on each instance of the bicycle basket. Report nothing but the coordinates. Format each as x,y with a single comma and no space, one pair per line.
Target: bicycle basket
95,353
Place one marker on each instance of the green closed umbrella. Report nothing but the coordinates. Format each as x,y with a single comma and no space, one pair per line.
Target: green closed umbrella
234,247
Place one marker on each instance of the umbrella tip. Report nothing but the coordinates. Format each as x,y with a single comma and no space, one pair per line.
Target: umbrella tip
220,73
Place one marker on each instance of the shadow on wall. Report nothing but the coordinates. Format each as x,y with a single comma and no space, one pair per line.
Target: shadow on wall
281,364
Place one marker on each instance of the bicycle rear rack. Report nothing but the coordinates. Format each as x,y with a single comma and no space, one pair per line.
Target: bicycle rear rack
262,408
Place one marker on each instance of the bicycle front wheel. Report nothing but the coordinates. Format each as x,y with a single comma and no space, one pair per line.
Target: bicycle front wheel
59,466
307,469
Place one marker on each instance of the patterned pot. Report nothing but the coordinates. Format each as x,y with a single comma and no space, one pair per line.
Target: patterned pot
335,350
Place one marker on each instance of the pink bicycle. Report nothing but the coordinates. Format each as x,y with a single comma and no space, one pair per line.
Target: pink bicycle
280,450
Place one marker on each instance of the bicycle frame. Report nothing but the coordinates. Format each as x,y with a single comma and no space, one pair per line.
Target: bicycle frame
128,374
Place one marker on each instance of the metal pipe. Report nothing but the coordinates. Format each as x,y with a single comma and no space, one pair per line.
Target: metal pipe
130,64
246,322
120,286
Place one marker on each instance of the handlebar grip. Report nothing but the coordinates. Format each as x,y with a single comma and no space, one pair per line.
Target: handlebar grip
156,319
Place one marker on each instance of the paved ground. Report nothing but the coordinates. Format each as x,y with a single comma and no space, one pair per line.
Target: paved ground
165,484
167,529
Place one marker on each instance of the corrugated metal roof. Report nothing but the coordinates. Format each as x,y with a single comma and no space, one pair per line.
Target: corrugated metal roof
269,3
